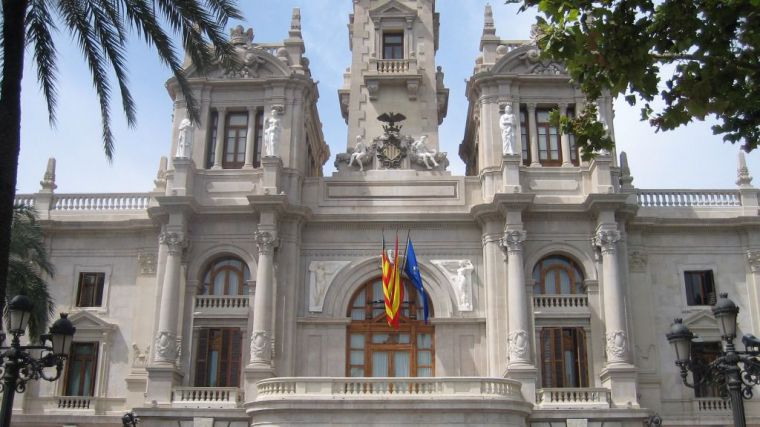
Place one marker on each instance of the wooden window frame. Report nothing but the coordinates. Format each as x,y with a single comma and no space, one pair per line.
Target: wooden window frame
706,281
568,266
96,297
229,368
93,368
378,325
557,364
238,141
218,267
549,161
397,49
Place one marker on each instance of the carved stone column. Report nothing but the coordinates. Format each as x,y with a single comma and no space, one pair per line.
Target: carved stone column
533,133
518,339
165,344
495,301
261,335
753,260
565,140
221,119
250,138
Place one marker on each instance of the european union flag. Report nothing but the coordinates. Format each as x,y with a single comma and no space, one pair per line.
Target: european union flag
413,271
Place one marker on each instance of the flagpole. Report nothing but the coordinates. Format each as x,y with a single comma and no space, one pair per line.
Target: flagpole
406,248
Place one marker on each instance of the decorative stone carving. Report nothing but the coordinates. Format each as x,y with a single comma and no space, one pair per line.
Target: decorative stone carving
185,140
606,240
239,36
423,153
139,358
637,261
272,134
321,275
160,181
265,242
260,346
517,343
753,258
459,274
147,263
617,346
547,69
507,123
743,178
48,180
513,239
175,242
166,347
360,154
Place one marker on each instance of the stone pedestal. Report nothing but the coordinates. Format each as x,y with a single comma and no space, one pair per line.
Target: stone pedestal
272,170
161,380
601,179
181,177
528,377
510,169
253,376
621,381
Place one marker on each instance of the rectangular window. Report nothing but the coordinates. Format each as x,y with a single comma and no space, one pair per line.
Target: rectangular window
258,137
574,152
524,140
393,45
211,152
700,287
549,153
563,357
218,357
702,354
234,143
90,289
81,369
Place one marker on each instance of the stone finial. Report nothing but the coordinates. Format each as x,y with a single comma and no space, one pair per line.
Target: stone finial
743,179
239,37
625,172
295,23
48,180
489,29
160,181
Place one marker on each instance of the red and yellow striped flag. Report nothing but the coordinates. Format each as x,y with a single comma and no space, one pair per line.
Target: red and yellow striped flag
393,290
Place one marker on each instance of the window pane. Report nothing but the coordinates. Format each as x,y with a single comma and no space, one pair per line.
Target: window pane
424,372
403,338
357,357
551,282
423,358
401,363
424,341
380,364
238,119
564,282
357,371
379,338
357,341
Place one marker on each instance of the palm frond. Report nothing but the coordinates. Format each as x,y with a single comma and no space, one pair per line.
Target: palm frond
39,24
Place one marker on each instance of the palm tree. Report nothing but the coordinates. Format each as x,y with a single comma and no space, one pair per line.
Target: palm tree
27,265
101,29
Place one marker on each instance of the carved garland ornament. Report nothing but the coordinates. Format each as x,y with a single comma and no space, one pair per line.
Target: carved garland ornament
260,346
517,343
167,348
617,346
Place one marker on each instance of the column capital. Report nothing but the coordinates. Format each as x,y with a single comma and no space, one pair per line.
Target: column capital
531,106
512,240
562,107
175,242
753,258
606,240
265,242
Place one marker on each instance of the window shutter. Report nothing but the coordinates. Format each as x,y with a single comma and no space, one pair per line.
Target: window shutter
201,359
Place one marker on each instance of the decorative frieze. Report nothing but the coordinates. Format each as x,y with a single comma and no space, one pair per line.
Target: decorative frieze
321,275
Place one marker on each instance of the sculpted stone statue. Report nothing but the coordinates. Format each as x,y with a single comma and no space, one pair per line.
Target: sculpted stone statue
185,139
272,134
423,152
359,155
507,123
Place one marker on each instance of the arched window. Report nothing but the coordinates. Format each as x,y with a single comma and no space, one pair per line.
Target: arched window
226,276
376,350
557,275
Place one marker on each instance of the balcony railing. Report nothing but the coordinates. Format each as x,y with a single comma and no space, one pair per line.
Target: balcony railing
76,402
560,302
206,397
688,198
394,66
712,405
101,202
221,305
387,388
573,398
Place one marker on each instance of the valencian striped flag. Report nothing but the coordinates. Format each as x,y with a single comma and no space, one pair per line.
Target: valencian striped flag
393,291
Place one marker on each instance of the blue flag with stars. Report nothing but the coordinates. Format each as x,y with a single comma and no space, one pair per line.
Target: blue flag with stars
413,271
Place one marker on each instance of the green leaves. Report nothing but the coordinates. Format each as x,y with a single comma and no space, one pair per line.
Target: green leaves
621,47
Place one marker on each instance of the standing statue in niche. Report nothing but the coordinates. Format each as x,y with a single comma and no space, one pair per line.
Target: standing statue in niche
185,139
360,154
462,283
423,152
272,134
507,123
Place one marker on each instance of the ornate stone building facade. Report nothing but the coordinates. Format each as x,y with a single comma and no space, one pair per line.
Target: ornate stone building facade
244,288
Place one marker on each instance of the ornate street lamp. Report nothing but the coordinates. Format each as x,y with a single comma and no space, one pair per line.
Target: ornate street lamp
129,420
18,363
734,372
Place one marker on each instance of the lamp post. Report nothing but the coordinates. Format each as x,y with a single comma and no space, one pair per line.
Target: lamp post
18,364
734,372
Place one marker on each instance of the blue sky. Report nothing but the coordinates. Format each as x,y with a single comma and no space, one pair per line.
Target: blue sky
690,157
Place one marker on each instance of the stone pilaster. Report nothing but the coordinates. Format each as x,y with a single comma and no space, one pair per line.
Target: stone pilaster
533,134
250,138
221,119
565,140
495,298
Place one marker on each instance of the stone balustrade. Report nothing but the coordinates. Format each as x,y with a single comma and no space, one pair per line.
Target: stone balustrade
513,44
560,302
206,397
688,198
573,398
76,402
396,66
24,200
711,405
387,388
221,305
270,48
101,202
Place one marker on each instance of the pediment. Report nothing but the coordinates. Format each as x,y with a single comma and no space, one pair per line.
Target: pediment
392,9
255,63
703,324
527,60
87,321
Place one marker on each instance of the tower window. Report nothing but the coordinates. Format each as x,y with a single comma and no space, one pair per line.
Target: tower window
700,287
393,45
234,143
